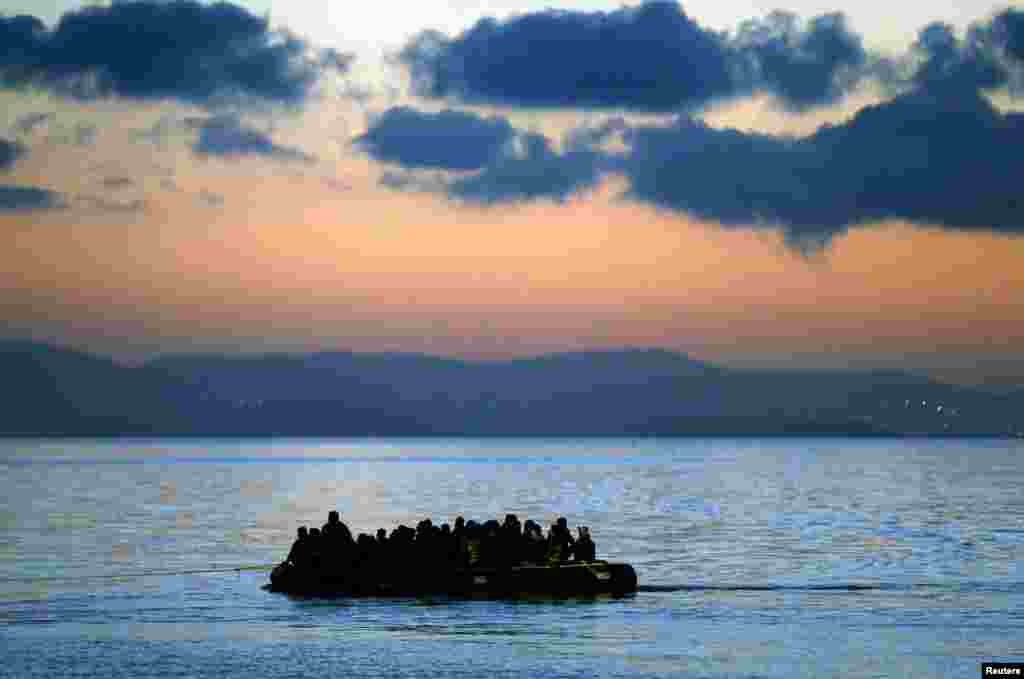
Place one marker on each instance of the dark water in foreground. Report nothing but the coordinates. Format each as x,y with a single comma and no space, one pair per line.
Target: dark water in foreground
774,558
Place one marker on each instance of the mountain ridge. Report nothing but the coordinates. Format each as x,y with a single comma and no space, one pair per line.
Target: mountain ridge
53,391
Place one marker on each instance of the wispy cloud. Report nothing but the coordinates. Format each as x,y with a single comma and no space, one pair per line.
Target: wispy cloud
226,136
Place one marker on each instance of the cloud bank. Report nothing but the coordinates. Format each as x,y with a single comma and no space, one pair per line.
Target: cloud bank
926,157
937,154
948,161
649,58
161,49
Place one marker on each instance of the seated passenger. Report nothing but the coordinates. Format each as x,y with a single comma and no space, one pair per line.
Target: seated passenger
511,539
490,544
473,540
339,549
534,545
298,555
585,549
447,545
335,530
366,549
316,548
560,542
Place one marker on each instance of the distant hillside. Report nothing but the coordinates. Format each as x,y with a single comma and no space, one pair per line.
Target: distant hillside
58,392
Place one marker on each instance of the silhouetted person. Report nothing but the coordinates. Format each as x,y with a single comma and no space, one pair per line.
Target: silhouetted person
316,548
446,545
490,544
299,553
473,544
335,530
585,549
459,544
427,553
563,529
560,542
339,548
534,545
511,541
365,545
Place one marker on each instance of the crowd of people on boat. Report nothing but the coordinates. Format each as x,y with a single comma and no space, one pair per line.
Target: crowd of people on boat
468,544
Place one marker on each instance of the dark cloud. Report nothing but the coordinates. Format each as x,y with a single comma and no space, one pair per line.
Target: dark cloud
510,165
929,156
161,49
18,198
10,151
652,57
989,56
949,63
529,169
30,121
226,136
924,157
452,140
1008,32
803,66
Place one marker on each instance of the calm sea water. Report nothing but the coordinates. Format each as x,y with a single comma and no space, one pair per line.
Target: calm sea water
116,558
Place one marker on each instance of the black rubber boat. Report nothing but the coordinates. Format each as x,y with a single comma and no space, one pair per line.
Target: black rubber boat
567,579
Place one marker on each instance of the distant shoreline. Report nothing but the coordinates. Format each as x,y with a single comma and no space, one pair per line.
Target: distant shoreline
513,437
630,393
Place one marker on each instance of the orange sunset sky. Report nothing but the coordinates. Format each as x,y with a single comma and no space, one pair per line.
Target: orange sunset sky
153,245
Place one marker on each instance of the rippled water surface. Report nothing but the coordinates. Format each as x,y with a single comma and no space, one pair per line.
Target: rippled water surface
768,558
